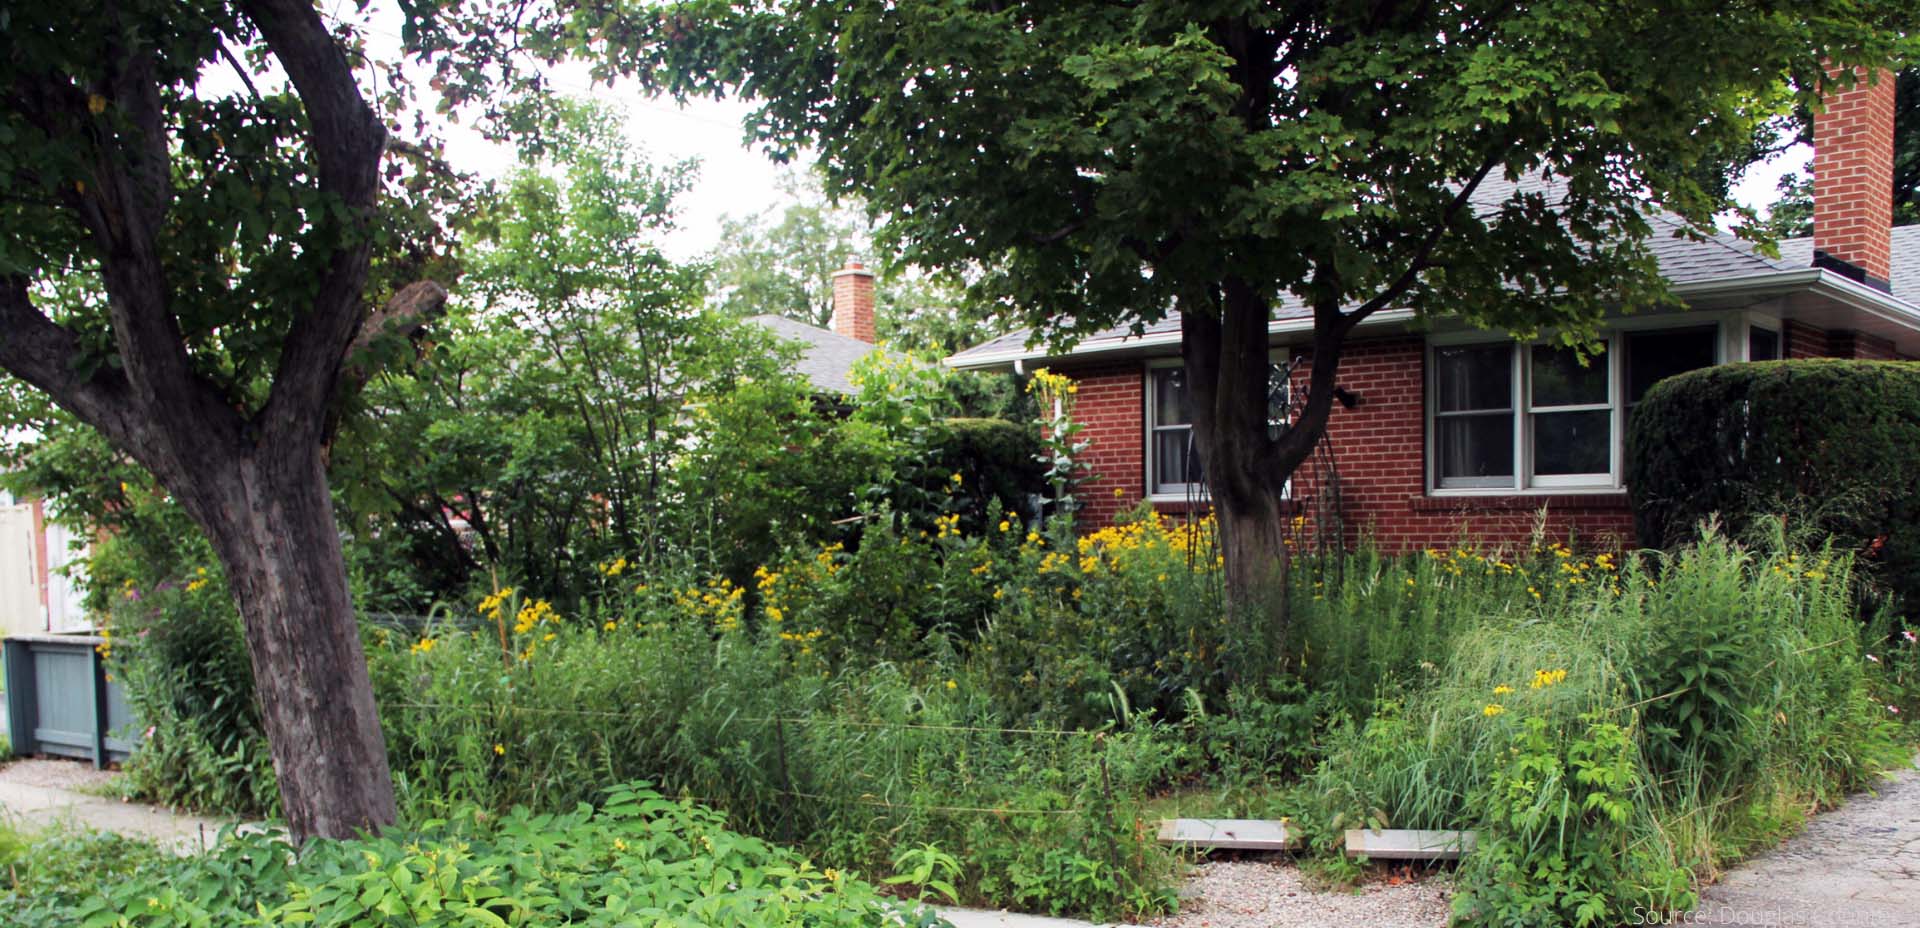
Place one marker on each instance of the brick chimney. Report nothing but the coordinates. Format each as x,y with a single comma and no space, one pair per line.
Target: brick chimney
1853,179
853,292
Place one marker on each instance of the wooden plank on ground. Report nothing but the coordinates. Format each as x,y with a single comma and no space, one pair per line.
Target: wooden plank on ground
1407,844
1244,834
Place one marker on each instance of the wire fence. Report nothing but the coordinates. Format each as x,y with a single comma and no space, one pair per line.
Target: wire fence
1094,736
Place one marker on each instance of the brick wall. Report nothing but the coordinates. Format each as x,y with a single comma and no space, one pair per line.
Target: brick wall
1111,409
1378,454
1859,346
1804,341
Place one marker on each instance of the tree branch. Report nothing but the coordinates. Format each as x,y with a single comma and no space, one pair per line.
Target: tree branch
41,352
346,139
1419,261
407,313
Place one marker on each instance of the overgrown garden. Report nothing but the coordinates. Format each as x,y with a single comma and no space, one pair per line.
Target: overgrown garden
625,620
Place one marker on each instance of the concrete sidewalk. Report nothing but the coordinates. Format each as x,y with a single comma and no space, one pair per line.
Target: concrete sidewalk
36,794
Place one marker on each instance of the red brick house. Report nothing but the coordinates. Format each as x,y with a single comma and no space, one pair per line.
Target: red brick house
1452,430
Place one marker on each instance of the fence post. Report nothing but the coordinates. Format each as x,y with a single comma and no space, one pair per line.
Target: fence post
786,779
17,664
97,698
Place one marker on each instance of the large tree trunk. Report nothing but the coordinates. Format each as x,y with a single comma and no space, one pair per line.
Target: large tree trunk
270,518
1252,536
1228,362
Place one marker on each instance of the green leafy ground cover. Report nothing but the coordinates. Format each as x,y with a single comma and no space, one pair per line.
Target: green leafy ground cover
637,858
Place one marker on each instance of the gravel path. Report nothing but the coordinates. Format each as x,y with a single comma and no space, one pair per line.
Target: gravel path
1271,894
1858,865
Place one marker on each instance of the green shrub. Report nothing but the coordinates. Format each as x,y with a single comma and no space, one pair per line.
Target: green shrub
637,858
999,463
1557,836
178,650
1834,446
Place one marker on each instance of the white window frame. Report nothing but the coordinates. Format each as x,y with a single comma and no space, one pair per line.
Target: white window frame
1172,492
1730,340
1179,492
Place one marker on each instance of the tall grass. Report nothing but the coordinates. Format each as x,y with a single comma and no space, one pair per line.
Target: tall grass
853,764
1738,675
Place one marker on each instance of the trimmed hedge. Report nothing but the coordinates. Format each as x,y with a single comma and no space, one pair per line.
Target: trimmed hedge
997,460
1832,446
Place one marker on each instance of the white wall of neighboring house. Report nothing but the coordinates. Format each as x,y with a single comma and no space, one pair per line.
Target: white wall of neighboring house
36,595
66,571
20,611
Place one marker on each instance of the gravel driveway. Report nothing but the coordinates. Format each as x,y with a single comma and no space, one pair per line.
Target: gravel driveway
1270,894
1858,865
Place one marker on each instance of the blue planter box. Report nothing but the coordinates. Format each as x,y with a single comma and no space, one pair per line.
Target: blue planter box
60,702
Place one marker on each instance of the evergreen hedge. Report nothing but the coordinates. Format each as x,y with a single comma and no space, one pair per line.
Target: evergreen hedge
1831,446
998,460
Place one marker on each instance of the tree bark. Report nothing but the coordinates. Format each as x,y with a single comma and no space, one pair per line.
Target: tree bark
270,519
1227,360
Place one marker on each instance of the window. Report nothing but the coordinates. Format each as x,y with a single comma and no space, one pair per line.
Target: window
1173,463
1473,415
1763,344
1520,417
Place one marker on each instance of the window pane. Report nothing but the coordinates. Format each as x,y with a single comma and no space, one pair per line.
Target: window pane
1572,442
1474,377
1170,396
1474,446
1173,461
1763,344
1653,356
1560,380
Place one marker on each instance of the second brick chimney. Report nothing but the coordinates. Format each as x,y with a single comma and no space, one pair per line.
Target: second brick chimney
1853,177
853,295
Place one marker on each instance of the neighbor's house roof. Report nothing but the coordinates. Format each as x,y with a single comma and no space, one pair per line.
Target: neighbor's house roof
826,358
1719,268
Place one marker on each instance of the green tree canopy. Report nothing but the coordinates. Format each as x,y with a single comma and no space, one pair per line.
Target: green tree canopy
1109,163
206,238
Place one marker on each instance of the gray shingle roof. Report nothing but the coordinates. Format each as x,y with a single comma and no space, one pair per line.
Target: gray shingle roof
1798,252
826,358
1682,259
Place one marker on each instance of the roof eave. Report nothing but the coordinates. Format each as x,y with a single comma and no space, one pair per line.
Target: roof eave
1822,282
1145,344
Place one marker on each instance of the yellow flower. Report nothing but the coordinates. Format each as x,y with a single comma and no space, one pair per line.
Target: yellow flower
1005,525
1545,678
422,646
957,479
619,845
499,748
1502,690
610,626
833,876
196,585
1119,492
1493,709
952,685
